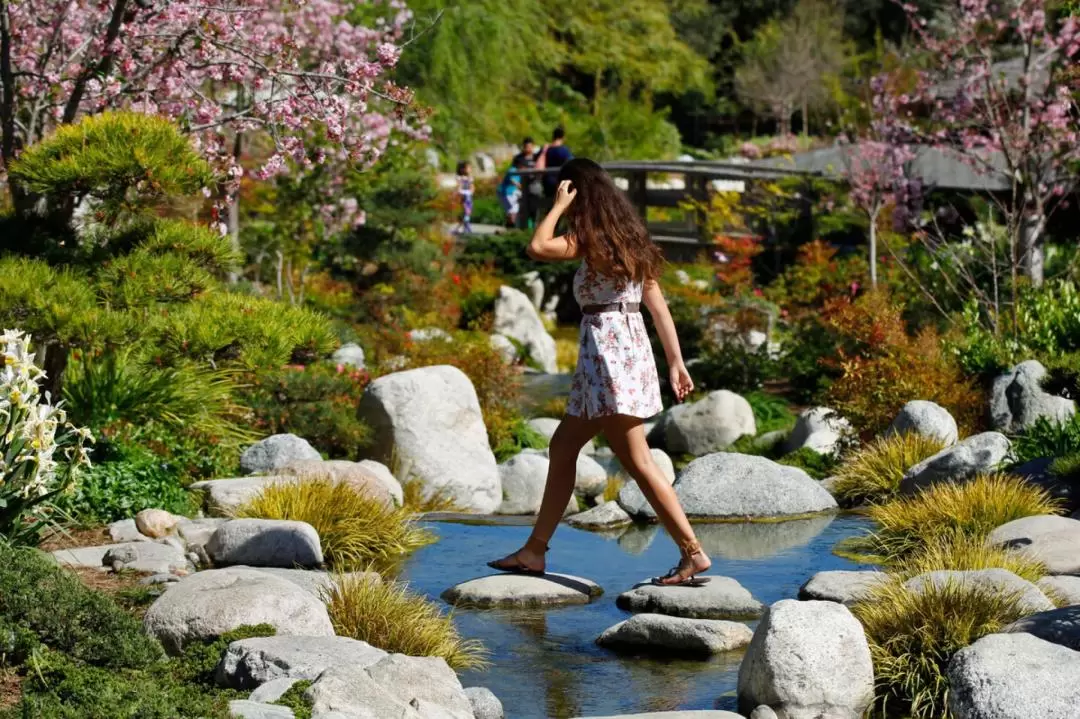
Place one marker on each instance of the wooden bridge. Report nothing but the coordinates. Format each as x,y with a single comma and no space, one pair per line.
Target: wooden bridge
683,238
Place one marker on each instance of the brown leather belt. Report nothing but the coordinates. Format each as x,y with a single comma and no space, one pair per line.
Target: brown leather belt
627,308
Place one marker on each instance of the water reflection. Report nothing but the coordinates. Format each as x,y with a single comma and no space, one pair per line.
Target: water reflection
637,538
758,540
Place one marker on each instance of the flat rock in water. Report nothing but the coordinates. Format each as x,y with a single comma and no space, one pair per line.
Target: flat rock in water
522,590
676,635
998,581
1060,626
224,496
1063,589
841,586
1014,676
1052,540
738,486
208,604
247,709
266,543
608,515
695,714
712,598
249,663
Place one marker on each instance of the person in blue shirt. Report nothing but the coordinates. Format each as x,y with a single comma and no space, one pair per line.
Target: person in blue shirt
510,190
552,157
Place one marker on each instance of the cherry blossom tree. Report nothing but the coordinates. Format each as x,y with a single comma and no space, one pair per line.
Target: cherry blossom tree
998,90
291,70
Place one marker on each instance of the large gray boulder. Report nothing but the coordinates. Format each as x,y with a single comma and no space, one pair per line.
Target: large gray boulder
1062,590
506,348
210,603
1017,399
808,660
349,354
820,429
688,714
523,478
522,590
738,486
979,453
712,598
1050,539
680,636
608,515
994,581
631,499
225,496
518,319
590,478
534,287
1060,626
841,586
276,451
708,425
397,686
927,419
316,581
429,421
1014,676
485,704
265,543
250,663
372,479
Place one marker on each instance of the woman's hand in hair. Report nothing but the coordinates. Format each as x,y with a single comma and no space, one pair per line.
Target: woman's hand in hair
680,381
565,195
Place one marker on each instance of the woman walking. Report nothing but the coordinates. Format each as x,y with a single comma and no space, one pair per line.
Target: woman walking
615,386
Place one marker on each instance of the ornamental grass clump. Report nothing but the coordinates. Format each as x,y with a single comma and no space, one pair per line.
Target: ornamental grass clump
386,615
974,509
913,635
355,530
873,474
961,552
41,453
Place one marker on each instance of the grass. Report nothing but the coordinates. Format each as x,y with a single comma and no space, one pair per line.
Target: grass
554,407
611,489
913,636
355,530
771,413
961,552
973,509
566,350
873,474
388,616
416,501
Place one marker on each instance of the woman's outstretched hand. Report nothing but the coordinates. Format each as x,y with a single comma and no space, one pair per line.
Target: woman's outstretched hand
681,382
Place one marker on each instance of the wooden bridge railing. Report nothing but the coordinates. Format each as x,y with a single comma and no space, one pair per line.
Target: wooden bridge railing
686,239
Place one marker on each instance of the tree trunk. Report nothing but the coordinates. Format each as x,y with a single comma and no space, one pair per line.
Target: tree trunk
1031,248
805,118
234,209
873,250
54,363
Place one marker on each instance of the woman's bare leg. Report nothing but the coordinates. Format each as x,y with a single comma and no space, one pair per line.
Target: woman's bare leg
570,436
626,436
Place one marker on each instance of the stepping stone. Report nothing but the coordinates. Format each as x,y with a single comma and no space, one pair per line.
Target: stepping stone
699,714
1063,588
841,586
1060,626
677,635
712,598
608,515
522,590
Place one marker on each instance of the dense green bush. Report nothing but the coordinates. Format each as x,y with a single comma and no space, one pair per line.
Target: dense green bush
807,345
733,365
317,402
1046,438
817,465
520,437
771,413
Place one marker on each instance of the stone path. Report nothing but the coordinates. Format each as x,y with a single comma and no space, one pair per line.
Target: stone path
521,590
713,598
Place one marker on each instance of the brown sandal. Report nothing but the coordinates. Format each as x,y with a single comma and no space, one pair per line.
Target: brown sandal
517,567
687,549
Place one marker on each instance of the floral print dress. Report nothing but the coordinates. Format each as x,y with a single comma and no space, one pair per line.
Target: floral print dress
616,372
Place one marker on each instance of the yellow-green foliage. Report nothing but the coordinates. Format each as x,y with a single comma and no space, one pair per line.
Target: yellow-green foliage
417,501
386,615
611,489
961,552
554,407
973,508
355,530
106,155
873,473
913,635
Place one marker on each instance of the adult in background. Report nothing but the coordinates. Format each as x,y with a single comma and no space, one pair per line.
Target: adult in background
551,158
532,188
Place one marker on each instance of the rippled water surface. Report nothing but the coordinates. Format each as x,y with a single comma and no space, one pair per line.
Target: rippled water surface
546,664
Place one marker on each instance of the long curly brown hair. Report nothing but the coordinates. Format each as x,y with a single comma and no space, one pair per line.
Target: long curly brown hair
609,233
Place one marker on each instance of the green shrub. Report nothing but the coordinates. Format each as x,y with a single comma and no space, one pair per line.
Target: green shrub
1046,438
873,473
294,699
475,306
805,359
817,465
317,402
520,437
771,413
355,530
733,366
974,509
55,610
386,615
913,635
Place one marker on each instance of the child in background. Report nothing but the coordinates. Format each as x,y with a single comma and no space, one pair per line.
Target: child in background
510,191
465,192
